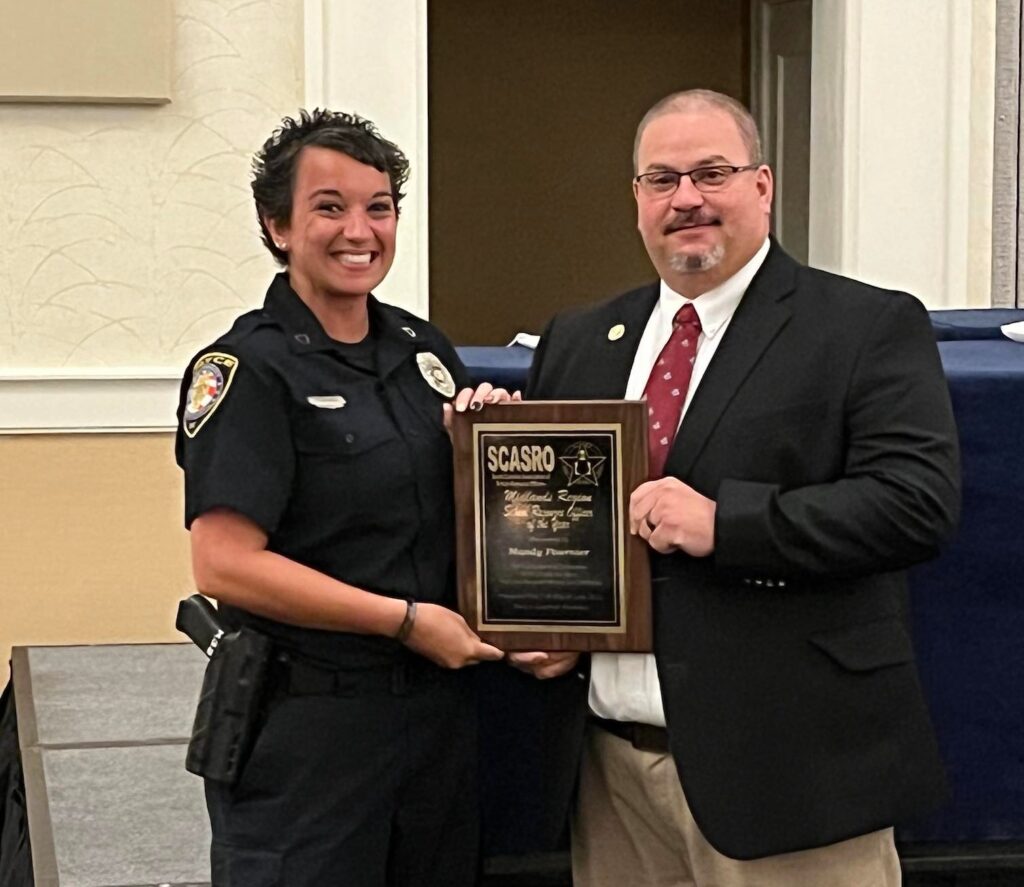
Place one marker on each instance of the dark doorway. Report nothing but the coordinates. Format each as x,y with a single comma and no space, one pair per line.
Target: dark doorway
533,107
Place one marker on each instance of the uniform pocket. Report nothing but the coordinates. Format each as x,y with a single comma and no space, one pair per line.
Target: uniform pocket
338,433
866,646
233,866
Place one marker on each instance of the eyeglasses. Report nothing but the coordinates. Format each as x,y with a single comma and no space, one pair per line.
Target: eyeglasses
662,182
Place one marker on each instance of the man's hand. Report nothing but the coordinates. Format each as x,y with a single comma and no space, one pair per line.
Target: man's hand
470,399
671,516
543,665
443,637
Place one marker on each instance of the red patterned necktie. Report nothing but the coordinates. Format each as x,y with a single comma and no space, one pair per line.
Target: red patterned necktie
666,387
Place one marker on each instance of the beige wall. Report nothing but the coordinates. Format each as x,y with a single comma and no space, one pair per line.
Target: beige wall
92,548
127,234
86,50
127,241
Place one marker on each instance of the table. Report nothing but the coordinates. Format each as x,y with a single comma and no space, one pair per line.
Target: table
502,367
976,323
967,607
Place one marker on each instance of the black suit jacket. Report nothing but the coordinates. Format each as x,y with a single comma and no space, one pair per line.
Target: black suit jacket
823,430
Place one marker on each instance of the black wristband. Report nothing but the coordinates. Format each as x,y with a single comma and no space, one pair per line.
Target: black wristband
405,629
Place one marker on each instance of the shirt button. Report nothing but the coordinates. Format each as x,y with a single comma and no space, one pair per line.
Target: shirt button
349,437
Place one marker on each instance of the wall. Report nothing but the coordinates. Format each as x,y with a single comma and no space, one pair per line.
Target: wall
86,51
127,241
92,548
127,233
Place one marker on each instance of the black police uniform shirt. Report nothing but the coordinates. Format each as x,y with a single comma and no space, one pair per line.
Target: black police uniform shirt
338,452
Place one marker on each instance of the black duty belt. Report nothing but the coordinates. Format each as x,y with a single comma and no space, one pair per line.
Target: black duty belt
299,677
645,737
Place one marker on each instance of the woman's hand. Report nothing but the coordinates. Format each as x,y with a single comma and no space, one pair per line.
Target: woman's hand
443,637
543,665
470,399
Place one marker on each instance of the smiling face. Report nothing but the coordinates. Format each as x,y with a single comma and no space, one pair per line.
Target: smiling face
340,238
697,240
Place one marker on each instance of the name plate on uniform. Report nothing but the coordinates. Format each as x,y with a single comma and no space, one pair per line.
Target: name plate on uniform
545,557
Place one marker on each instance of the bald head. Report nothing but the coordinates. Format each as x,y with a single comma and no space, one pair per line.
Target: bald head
693,99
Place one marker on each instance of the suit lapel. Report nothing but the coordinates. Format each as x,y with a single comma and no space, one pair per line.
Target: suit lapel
760,316
612,359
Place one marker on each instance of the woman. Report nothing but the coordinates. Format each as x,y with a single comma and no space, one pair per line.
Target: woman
318,494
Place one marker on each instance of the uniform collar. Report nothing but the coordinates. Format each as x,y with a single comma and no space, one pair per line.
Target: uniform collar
396,340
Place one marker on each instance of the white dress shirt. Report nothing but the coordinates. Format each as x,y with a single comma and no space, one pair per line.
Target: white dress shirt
624,686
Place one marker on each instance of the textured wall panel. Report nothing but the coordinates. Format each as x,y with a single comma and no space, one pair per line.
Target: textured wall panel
127,235
85,50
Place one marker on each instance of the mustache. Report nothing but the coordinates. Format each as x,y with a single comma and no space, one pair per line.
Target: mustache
689,219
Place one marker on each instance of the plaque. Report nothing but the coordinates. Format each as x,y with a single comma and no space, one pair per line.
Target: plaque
545,557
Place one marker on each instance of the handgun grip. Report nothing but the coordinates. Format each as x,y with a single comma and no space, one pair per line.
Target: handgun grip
199,620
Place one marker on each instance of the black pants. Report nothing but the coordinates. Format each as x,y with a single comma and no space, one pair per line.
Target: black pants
373,789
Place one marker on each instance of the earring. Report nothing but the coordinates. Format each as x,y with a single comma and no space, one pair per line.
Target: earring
281,246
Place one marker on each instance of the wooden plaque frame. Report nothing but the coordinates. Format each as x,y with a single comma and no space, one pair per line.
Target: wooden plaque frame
531,480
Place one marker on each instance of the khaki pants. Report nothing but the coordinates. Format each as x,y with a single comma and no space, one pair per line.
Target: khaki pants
633,828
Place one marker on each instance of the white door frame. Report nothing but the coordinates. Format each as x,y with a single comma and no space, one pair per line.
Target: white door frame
371,59
901,145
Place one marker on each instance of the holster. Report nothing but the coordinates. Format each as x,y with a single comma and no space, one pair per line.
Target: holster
230,705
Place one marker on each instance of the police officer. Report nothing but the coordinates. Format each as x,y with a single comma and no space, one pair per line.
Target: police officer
318,492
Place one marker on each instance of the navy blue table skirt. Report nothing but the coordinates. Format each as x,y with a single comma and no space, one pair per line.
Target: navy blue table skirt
502,367
968,606
978,323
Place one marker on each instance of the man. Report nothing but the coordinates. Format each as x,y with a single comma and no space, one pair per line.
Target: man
815,460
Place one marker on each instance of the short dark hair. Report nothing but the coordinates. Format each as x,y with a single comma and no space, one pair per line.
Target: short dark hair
275,163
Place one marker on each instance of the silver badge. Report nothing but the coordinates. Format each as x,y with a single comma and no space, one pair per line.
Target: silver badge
436,374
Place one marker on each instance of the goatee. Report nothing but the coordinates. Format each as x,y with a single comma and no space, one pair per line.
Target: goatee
694,263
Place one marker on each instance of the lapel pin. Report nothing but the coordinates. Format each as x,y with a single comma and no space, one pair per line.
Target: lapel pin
409,331
616,332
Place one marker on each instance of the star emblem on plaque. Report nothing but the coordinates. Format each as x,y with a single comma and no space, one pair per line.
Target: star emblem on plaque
582,463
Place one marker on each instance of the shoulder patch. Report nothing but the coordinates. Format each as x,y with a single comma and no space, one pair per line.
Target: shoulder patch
211,378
